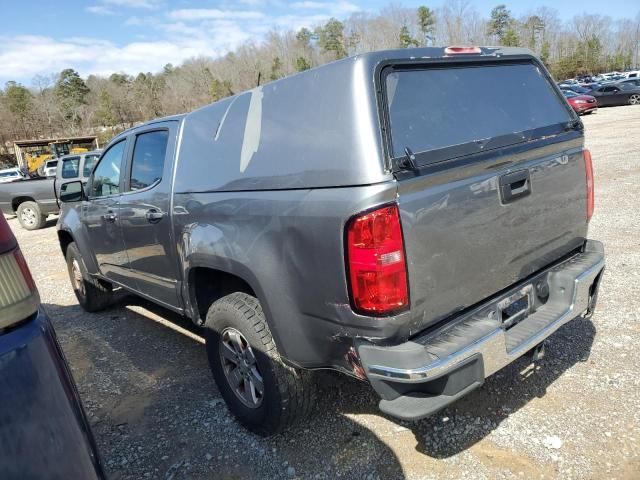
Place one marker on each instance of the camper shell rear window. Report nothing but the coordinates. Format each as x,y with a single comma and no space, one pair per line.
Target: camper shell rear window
444,112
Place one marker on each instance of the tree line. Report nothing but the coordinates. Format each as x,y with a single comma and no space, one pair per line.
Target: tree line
65,104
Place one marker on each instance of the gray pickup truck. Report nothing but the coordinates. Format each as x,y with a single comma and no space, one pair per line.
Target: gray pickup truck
410,218
31,200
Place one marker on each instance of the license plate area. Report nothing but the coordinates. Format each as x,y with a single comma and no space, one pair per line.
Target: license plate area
515,308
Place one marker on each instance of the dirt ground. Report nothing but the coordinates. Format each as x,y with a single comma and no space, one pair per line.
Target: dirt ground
156,412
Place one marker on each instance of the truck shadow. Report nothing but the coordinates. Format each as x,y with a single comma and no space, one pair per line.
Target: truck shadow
144,379
157,359
469,420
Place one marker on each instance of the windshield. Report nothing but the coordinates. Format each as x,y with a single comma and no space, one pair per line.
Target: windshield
434,109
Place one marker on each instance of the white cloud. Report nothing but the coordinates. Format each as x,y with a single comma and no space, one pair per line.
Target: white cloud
333,8
194,14
148,4
167,36
100,10
113,7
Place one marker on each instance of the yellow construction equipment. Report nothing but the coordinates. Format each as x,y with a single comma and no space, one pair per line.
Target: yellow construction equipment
33,154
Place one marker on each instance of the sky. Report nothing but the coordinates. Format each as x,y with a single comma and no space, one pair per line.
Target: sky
106,36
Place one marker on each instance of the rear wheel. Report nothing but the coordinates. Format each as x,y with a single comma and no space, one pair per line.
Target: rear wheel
92,294
634,99
30,216
264,393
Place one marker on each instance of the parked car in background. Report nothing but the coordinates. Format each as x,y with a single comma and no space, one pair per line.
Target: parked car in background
43,429
580,90
584,79
50,167
31,200
11,175
632,74
75,167
629,82
420,253
612,95
581,104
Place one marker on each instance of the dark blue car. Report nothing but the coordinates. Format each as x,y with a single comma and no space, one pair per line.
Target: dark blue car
43,430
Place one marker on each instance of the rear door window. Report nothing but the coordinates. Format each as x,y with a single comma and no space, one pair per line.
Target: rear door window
445,112
148,159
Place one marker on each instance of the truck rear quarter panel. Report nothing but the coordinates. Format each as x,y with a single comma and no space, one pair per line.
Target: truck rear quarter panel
289,247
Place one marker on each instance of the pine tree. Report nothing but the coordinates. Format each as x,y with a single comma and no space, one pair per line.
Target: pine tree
427,24
406,40
331,38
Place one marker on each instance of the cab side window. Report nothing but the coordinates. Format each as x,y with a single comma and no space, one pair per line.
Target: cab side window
106,177
148,159
70,167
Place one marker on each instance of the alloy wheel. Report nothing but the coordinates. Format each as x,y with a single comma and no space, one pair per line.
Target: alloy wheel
240,368
634,99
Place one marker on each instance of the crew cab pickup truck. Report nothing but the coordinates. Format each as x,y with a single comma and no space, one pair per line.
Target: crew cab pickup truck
31,200
405,217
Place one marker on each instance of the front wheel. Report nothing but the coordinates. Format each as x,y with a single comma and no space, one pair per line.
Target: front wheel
30,216
264,393
92,294
634,99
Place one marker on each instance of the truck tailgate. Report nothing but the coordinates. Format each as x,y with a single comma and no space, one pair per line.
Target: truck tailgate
464,242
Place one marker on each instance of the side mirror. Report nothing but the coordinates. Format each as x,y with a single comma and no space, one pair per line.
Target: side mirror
72,192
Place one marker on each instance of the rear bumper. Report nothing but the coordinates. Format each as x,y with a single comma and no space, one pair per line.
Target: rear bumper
43,429
419,377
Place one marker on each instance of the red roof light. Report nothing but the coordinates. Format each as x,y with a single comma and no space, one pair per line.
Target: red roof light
462,50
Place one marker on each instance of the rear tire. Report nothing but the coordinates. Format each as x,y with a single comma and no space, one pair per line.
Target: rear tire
266,395
30,216
634,99
92,294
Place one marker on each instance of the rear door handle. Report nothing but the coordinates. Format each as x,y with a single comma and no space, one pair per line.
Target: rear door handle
153,215
515,185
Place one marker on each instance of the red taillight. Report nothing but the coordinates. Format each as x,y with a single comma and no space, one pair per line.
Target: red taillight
18,294
7,240
7,243
24,269
376,262
588,166
462,50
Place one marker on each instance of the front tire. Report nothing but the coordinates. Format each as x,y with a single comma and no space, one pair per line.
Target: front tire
634,99
92,294
266,395
30,216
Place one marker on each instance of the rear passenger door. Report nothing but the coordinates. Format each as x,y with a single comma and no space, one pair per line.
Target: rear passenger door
144,213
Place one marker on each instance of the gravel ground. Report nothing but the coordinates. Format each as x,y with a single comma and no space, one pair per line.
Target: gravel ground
156,412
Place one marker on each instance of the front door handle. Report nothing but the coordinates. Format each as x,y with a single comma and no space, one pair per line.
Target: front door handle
154,216
110,217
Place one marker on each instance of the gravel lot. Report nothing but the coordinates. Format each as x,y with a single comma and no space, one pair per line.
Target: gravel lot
156,412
